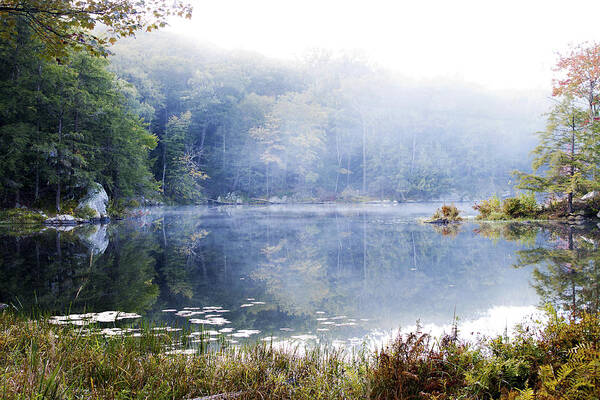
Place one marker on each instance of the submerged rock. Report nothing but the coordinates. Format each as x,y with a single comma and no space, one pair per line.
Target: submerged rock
95,201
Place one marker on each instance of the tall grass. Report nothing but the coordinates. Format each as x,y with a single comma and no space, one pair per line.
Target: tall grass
557,360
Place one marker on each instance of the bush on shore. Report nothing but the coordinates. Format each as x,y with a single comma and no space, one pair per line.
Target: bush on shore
446,214
523,206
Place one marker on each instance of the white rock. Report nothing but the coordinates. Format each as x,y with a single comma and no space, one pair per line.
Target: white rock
590,195
96,199
63,219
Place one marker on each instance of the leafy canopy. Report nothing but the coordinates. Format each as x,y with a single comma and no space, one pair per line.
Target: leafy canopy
579,75
65,24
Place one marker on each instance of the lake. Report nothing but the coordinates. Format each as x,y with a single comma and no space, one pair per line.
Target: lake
341,274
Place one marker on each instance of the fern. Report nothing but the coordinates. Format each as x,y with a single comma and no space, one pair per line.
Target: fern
578,378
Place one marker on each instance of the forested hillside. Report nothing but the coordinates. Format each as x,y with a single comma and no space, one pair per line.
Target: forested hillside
326,127
65,125
169,120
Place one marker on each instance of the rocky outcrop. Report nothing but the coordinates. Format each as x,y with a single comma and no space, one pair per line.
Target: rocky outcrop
95,202
64,219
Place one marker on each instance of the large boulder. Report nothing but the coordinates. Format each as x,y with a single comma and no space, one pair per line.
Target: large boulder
95,201
590,196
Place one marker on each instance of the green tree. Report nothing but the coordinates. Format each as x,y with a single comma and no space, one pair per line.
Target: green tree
561,164
64,126
63,25
182,175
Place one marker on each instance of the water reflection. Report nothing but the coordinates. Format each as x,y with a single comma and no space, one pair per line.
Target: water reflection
313,273
570,277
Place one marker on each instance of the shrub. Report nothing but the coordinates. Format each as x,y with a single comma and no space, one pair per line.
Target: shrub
17,216
449,213
524,205
84,212
488,207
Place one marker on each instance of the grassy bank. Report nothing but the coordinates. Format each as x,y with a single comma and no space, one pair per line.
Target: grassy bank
558,360
524,207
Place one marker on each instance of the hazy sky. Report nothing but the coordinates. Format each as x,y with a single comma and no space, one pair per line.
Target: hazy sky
500,44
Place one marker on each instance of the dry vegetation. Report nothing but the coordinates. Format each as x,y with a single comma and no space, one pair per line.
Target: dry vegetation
559,360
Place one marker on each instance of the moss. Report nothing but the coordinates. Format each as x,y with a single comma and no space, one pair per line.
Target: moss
84,212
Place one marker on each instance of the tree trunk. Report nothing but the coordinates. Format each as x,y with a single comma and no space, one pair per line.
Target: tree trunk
348,172
202,137
267,174
364,159
339,161
38,127
164,160
58,166
164,148
572,169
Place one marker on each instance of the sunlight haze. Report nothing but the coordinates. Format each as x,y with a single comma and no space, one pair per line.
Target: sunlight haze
501,45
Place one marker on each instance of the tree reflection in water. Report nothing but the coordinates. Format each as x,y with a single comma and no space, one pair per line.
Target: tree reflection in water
566,271
297,268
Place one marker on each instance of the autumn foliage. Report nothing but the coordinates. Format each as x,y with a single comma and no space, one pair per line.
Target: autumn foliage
579,75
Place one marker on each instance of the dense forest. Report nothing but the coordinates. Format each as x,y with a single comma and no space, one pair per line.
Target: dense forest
166,120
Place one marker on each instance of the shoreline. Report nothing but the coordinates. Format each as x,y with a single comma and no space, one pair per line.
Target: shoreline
37,357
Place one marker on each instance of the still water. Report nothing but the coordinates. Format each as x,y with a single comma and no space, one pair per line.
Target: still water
340,274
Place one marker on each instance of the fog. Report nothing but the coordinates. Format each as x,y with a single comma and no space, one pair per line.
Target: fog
329,127
501,45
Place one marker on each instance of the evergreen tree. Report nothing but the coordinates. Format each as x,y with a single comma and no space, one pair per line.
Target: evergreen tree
562,164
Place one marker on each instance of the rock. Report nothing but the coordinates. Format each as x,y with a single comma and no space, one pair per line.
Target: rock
278,200
590,196
96,200
439,221
64,219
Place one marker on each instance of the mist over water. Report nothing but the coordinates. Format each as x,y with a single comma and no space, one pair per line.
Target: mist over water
329,272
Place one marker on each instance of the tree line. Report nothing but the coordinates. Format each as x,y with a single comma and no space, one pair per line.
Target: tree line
330,126
65,125
566,159
168,120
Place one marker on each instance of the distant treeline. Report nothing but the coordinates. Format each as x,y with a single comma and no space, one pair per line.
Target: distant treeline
195,123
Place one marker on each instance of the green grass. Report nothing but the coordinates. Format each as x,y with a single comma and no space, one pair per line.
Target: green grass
17,216
39,360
